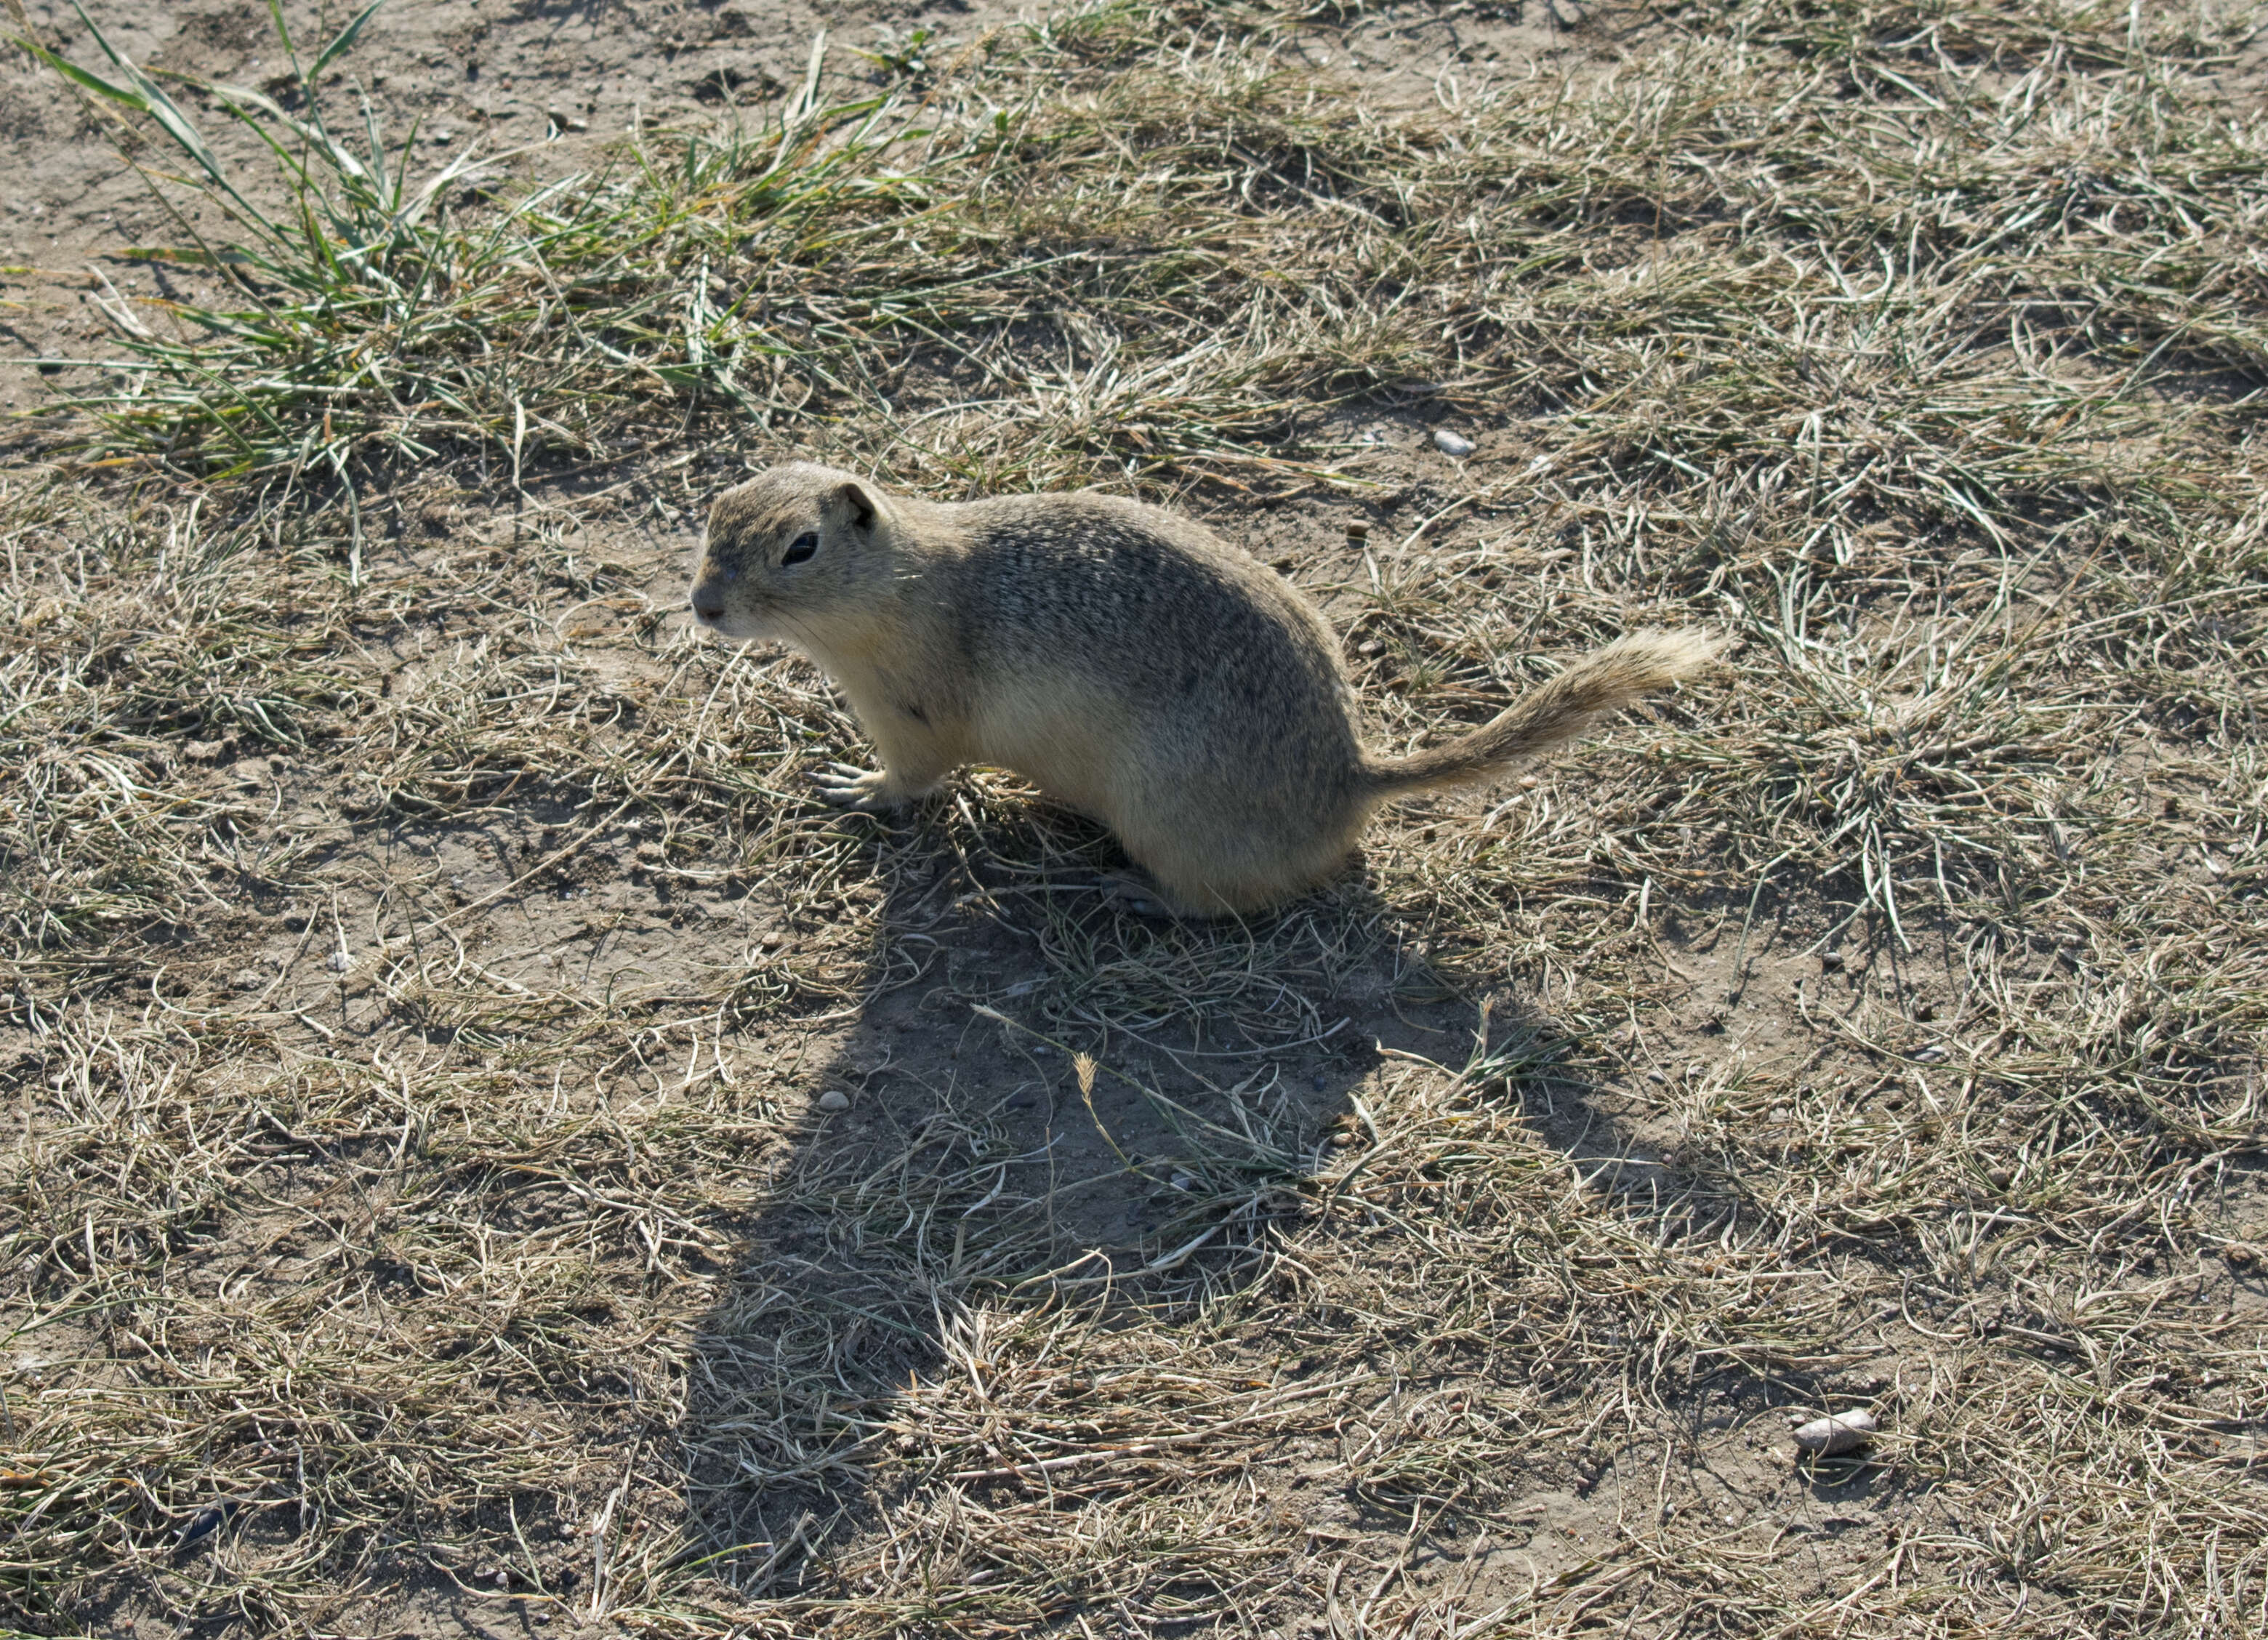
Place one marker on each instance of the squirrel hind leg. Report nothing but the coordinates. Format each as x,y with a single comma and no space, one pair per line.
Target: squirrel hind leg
1207,853
1137,892
1208,895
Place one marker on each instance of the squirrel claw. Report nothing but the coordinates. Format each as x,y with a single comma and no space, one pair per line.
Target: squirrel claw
848,787
1131,892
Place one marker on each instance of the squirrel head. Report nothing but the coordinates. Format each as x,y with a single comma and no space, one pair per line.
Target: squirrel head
792,553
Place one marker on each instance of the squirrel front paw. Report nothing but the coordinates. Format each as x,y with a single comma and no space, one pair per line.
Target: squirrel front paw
870,791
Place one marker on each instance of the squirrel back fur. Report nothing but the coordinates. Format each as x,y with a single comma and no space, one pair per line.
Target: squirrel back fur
1123,659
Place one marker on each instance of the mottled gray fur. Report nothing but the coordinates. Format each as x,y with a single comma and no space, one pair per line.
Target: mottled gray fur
1125,659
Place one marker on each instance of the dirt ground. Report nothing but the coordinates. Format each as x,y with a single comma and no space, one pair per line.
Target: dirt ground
528,1168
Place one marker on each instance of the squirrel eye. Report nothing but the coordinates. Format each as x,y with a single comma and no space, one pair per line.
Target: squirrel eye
804,545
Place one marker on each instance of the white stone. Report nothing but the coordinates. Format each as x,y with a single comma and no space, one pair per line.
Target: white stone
1826,1437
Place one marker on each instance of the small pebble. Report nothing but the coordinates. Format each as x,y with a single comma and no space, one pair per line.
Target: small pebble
340,962
1357,533
834,1100
1930,1055
1830,960
205,1523
1183,1181
1844,1431
1451,443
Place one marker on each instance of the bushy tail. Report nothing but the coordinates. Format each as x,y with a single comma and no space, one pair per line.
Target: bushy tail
1605,680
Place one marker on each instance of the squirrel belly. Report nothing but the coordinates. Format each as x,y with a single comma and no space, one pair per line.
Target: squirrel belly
1122,658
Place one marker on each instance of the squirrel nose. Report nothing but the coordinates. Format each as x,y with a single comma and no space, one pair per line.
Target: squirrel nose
708,605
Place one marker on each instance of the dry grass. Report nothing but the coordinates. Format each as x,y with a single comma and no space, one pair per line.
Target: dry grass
423,960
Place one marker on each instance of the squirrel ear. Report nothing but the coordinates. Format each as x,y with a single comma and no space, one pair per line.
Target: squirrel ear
862,508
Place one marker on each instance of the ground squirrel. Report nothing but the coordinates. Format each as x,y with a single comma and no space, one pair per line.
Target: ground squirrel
1126,660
